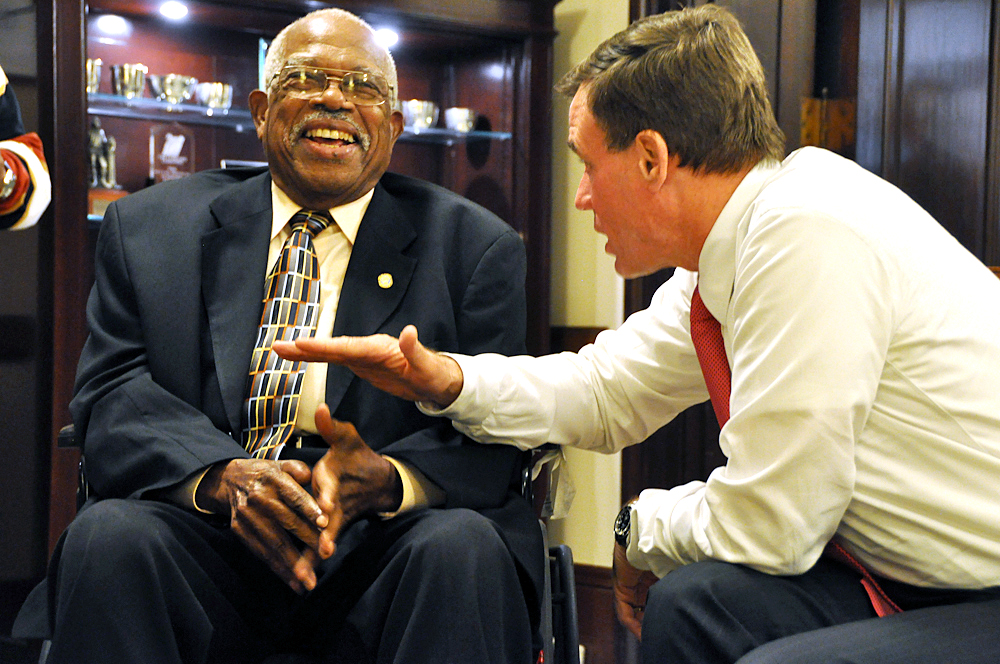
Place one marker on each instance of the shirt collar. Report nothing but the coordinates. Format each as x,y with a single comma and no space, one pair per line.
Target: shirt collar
717,262
347,216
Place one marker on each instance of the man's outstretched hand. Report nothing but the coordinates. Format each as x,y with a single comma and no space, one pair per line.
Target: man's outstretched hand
402,367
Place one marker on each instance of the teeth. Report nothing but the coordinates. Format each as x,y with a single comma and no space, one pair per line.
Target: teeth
331,134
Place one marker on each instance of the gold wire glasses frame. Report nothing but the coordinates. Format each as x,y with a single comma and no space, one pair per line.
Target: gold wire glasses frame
361,88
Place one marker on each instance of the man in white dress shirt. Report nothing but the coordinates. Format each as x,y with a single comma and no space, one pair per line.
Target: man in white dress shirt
864,347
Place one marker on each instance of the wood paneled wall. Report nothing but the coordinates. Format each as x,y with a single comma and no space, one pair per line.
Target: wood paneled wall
927,110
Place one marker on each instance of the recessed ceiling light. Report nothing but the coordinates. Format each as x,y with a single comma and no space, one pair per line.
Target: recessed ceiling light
113,25
496,71
386,37
174,10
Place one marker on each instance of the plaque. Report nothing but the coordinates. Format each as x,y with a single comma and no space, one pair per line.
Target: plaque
828,123
171,152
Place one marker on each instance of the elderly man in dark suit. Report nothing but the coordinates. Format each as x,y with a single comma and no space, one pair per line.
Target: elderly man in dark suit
370,533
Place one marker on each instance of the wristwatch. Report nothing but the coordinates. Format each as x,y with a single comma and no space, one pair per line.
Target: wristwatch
623,525
9,180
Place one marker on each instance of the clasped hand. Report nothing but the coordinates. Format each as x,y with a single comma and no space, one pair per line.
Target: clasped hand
284,524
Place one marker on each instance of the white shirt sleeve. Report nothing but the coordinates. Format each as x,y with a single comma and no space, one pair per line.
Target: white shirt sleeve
612,394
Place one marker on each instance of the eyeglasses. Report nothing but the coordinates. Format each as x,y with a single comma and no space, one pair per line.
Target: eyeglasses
360,88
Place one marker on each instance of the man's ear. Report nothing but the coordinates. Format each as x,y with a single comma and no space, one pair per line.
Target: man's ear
396,124
654,157
258,109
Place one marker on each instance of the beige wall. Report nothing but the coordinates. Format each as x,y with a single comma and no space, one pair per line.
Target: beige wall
586,292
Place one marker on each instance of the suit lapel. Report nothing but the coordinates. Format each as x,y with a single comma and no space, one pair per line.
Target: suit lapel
234,259
377,278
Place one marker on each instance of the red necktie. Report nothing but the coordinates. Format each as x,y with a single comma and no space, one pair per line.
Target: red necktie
706,335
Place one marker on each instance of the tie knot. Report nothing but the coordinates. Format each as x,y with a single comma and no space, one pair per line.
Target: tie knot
310,221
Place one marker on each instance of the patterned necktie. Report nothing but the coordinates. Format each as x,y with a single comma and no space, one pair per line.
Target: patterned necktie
706,335
291,309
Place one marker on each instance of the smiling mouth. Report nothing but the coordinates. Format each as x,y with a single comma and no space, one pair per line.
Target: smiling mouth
330,137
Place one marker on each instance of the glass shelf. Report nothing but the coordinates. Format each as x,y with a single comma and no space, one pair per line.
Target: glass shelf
450,136
144,108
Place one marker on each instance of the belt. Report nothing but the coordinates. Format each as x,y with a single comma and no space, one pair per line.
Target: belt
307,440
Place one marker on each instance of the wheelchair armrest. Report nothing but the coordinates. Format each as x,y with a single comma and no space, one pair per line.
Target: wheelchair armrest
67,437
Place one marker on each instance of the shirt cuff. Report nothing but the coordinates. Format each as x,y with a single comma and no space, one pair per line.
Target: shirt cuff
418,491
478,395
183,494
655,510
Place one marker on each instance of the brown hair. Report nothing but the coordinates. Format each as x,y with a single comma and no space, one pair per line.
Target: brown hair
691,75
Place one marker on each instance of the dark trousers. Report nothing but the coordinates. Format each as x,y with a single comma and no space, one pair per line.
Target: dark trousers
712,612
140,581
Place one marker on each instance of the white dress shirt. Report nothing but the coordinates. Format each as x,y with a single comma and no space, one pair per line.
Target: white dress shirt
864,342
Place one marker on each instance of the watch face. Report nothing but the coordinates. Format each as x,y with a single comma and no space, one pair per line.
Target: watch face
623,524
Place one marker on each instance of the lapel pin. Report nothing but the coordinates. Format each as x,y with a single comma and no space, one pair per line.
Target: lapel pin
385,280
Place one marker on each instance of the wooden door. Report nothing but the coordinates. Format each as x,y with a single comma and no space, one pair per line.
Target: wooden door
927,110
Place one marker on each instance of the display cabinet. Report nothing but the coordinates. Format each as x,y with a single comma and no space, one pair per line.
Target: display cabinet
493,56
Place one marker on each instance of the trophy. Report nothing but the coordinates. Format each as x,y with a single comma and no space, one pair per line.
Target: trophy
171,152
104,186
99,153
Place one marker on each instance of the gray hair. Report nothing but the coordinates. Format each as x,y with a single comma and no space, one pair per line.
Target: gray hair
276,51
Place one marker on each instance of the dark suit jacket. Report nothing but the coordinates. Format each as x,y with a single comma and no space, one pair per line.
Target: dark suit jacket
176,304
10,116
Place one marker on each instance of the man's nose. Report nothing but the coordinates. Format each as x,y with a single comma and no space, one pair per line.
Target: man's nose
332,94
582,201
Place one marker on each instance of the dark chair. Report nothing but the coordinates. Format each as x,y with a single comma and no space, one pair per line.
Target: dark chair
560,624
560,631
67,439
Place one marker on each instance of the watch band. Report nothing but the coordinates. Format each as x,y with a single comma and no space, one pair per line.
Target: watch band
623,526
